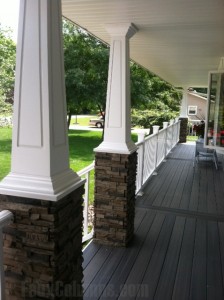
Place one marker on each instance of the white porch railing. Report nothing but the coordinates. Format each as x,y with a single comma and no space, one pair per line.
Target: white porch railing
151,152
6,217
86,174
153,149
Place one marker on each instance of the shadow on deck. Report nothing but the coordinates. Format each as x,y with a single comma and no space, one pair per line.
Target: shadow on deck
178,249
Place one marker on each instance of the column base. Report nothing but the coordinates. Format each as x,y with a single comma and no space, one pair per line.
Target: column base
40,187
115,176
43,248
119,148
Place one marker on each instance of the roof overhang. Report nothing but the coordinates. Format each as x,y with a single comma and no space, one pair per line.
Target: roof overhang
179,40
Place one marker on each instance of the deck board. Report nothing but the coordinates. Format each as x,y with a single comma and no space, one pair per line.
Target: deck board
178,248
139,268
214,271
119,277
183,275
198,290
168,274
154,268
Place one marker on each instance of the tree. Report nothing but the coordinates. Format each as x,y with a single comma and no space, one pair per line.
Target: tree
86,63
5,108
7,66
153,99
140,86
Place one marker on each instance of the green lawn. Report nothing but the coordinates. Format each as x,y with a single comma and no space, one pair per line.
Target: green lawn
5,151
192,138
81,145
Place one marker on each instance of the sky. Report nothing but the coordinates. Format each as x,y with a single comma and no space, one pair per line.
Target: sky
9,10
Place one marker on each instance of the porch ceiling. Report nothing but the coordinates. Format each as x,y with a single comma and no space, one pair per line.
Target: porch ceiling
179,40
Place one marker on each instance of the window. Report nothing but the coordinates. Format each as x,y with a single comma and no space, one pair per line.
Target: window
192,110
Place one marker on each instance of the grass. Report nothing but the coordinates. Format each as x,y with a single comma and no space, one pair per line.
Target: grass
5,151
81,120
192,138
81,145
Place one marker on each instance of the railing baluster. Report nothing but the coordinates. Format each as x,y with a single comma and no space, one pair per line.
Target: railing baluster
86,172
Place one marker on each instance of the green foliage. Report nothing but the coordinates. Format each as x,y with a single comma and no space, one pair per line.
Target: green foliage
86,63
7,66
5,108
140,86
148,118
148,91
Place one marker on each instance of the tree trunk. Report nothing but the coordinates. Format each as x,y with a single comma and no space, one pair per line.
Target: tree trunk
103,116
69,119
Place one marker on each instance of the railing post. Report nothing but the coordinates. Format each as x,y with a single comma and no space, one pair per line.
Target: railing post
171,123
141,153
6,217
177,130
156,131
165,125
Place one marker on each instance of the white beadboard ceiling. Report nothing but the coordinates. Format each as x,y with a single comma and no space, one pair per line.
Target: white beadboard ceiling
179,40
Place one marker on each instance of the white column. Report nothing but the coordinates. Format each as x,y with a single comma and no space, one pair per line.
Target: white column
40,156
221,64
117,129
184,104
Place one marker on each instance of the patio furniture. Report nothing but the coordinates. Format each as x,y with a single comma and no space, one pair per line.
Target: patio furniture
205,153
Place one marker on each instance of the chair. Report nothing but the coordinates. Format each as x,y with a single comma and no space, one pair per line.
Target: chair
202,152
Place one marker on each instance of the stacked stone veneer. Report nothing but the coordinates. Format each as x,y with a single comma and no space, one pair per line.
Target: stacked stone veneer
115,176
183,130
43,248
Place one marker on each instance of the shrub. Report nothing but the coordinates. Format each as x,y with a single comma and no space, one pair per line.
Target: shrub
148,118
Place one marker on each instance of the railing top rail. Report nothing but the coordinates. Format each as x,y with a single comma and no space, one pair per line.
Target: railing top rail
86,169
153,134
146,139
6,217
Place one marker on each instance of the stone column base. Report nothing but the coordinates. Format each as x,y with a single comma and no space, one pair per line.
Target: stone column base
115,176
43,248
183,130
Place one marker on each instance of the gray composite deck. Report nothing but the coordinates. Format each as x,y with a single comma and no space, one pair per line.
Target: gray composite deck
178,249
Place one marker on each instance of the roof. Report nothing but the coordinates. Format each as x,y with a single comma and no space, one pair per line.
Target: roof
179,40
197,95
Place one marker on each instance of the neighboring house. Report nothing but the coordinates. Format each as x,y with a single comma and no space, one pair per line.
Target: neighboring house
196,109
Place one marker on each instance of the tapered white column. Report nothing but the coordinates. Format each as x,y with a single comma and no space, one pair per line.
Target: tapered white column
40,156
184,103
117,130
221,64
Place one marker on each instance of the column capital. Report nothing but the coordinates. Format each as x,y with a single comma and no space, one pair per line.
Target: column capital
121,29
221,64
184,103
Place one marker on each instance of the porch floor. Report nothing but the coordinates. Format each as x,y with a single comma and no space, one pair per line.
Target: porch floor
178,249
